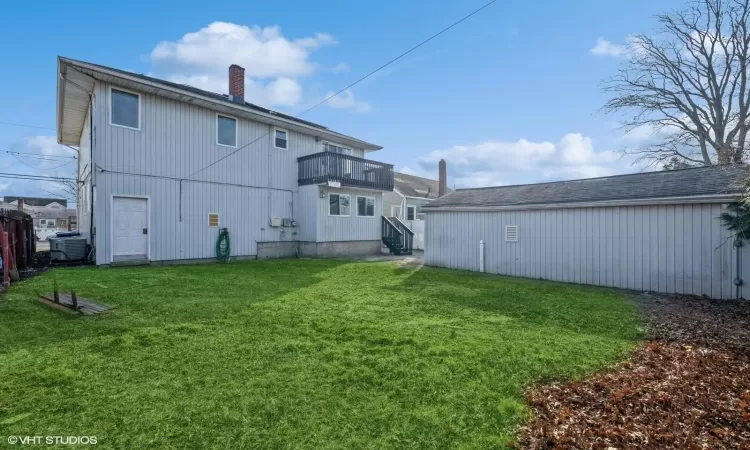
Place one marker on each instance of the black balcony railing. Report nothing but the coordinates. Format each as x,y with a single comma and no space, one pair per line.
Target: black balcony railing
344,169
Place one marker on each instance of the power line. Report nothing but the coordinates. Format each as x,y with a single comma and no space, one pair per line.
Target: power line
354,83
38,155
24,176
398,57
42,168
26,126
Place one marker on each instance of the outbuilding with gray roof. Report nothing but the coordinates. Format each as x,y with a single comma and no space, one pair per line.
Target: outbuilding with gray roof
653,231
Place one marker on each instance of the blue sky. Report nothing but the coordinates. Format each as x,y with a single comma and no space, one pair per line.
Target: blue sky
509,96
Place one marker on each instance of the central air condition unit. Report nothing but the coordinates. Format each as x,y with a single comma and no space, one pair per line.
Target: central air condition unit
71,248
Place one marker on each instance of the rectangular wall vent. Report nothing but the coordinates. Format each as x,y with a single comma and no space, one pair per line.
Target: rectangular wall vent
511,233
213,220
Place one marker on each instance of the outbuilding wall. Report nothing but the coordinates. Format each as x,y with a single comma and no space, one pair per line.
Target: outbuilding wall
663,248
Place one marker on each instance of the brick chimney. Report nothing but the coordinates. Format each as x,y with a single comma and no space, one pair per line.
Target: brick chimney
20,204
442,178
237,83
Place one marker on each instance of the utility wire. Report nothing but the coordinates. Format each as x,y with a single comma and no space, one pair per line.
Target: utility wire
354,83
38,155
41,168
34,177
26,126
397,58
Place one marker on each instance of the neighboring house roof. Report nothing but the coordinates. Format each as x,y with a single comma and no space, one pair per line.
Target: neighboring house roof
708,182
413,186
35,201
83,73
55,214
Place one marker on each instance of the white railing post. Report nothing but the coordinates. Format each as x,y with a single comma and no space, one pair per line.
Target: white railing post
481,256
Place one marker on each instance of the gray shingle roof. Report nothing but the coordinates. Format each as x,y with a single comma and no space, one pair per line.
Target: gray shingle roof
663,184
413,186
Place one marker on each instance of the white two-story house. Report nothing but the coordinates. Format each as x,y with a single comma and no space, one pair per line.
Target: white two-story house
163,167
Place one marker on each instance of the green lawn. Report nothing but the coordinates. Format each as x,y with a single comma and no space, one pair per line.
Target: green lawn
297,354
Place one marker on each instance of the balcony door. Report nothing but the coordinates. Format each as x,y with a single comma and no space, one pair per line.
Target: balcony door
344,166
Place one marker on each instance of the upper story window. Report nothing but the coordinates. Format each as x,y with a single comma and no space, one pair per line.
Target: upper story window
125,109
333,148
280,138
226,131
338,205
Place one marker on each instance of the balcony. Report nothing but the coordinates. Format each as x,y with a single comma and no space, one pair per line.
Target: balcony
346,170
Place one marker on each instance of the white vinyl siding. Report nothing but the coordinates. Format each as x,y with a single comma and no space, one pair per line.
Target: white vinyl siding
668,248
346,228
246,189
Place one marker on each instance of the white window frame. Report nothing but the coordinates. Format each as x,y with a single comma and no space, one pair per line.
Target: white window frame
218,219
140,101
366,198
414,214
340,195
236,130
273,138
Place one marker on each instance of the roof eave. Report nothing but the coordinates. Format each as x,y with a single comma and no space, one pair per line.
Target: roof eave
692,199
260,116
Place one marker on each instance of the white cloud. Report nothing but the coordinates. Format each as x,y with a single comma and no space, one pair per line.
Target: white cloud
605,48
42,145
46,146
273,63
521,162
263,52
340,67
346,100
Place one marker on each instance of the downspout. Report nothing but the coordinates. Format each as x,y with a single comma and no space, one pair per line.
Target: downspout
92,228
738,275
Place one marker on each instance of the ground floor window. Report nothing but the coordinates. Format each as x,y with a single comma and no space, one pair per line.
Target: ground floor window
338,205
411,212
46,223
366,206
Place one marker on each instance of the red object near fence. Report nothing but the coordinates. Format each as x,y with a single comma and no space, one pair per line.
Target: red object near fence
6,257
18,242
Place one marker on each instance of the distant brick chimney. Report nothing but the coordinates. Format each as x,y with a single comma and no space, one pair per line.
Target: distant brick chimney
237,83
442,178
20,204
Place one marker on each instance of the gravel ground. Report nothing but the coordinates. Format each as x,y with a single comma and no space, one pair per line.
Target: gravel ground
689,387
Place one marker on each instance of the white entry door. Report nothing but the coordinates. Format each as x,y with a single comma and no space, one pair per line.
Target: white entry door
129,228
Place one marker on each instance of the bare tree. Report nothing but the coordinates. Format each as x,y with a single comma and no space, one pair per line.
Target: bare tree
68,187
688,84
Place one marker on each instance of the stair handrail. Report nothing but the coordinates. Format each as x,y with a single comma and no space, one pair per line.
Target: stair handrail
395,228
405,227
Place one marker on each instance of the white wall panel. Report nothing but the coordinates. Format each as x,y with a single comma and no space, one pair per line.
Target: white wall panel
666,248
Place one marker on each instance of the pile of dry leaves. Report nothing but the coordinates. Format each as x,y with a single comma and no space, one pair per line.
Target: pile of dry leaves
687,389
